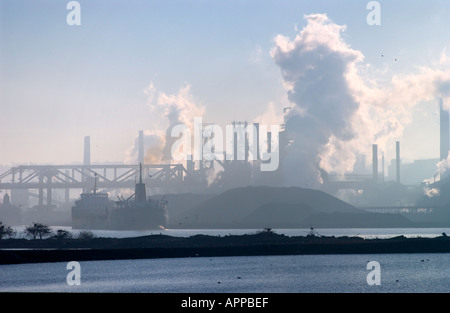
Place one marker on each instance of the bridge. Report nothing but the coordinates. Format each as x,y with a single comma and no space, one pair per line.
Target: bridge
160,177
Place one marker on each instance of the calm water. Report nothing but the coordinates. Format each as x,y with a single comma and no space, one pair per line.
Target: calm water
428,273
315,273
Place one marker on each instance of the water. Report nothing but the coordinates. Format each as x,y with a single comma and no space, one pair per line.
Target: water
267,274
417,273
367,233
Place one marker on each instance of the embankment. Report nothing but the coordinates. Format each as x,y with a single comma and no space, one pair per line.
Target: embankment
15,251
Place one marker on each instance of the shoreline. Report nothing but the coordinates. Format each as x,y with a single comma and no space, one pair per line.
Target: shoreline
19,251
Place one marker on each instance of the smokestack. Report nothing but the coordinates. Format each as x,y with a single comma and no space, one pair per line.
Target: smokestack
375,162
139,191
255,141
87,151
445,130
141,147
235,143
398,162
67,190
190,164
86,161
246,146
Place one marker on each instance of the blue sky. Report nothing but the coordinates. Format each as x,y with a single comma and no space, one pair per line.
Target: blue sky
59,83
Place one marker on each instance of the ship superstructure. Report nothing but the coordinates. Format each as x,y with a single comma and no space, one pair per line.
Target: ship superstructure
96,211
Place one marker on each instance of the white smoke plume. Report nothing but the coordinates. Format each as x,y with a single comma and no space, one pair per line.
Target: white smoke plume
431,192
442,172
338,110
175,110
443,167
316,66
272,116
166,111
154,142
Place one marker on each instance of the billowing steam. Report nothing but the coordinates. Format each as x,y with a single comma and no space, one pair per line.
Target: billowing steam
338,107
154,142
166,111
174,110
316,67
442,171
338,112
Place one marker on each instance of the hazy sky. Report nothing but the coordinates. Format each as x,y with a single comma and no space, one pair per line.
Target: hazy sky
59,83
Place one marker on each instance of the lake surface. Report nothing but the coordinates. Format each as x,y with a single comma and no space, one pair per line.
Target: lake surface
427,273
417,273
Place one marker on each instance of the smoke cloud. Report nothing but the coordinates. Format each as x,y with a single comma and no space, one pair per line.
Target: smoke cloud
442,171
316,67
166,112
338,110
174,110
272,116
339,106
443,167
154,142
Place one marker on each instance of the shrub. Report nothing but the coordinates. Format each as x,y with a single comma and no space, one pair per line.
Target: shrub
6,231
38,230
62,234
86,235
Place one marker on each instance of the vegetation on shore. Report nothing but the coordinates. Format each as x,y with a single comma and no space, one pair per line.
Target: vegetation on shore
41,231
62,246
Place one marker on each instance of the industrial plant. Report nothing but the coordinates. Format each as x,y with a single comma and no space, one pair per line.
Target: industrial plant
56,194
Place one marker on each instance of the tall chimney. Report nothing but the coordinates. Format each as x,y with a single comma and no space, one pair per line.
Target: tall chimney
398,162
141,147
235,143
139,190
87,151
67,190
375,162
190,164
86,161
255,141
445,130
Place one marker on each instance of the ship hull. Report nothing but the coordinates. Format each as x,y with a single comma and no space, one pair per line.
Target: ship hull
140,216
135,216
96,211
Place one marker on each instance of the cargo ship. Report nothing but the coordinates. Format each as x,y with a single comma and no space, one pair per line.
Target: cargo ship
95,210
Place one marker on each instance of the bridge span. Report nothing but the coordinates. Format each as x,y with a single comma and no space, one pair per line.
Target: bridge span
160,177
